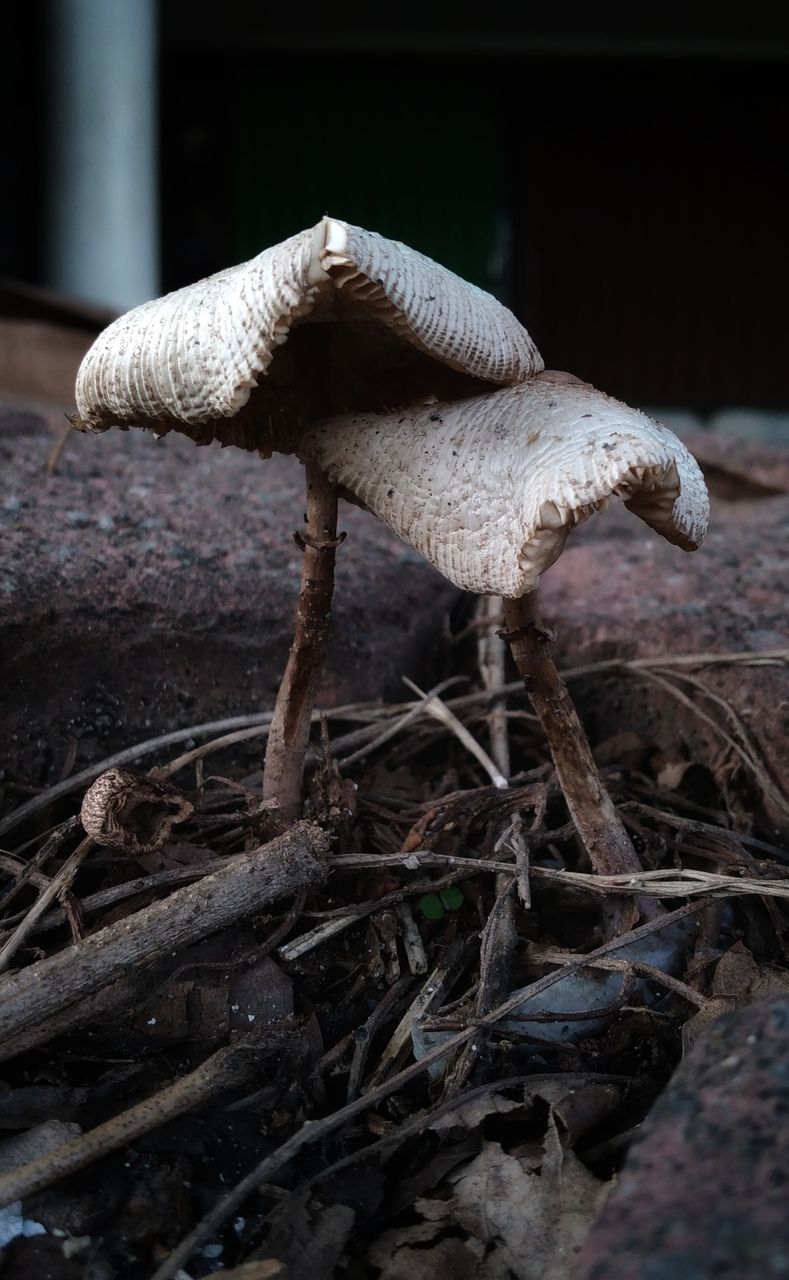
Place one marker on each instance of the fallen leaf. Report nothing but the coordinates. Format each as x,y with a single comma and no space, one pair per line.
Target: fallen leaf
540,1220
692,1029
739,977
522,1222
672,773
469,1115
307,1238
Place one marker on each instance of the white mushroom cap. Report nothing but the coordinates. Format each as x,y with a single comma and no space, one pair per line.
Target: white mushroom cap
487,489
194,357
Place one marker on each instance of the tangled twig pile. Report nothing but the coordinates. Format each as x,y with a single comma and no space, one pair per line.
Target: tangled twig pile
423,987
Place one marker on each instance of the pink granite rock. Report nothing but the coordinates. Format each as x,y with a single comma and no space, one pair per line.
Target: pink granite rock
148,586
620,591
703,1192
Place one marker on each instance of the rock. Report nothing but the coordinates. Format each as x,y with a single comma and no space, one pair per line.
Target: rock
740,472
151,585
752,424
620,591
683,422
703,1191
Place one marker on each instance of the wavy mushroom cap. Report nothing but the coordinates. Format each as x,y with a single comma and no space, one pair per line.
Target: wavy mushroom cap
368,322
488,489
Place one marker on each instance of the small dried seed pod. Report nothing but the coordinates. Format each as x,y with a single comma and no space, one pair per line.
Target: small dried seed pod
124,811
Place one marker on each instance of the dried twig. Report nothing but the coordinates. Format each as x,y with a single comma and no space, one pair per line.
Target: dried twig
553,955
695,826
491,660
116,893
349,916
668,882
16,867
748,757
413,945
29,870
499,937
749,658
226,1069
364,1034
57,886
385,735
430,996
198,754
531,1085
440,711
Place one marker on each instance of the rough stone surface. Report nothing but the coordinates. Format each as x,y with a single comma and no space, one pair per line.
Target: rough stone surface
703,1192
752,424
619,591
148,586
151,586
740,471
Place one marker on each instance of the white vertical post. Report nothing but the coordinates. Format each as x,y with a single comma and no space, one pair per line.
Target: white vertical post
102,212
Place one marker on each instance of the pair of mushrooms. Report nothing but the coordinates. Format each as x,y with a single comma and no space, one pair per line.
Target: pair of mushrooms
420,397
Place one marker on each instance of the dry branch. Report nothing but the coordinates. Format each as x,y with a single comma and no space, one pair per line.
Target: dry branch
57,886
237,891
225,1069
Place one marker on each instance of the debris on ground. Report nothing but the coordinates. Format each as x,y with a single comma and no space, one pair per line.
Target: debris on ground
392,1040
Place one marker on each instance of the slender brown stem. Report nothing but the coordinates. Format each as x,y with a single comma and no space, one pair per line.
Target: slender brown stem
591,808
283,770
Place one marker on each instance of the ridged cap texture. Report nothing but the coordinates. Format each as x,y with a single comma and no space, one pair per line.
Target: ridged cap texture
487,489
192,359
418,394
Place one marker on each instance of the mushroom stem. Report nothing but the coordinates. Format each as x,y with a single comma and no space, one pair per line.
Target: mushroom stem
591,808
283,770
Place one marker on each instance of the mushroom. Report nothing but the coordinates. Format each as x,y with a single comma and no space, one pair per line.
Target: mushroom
331,320
484,468
487,489
124,811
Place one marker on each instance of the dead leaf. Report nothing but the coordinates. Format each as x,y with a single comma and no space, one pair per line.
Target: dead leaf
583,1107
307,1238
519,1223
739,977
447,1260
691,1030
218,986
469,1115
671,774
540,1220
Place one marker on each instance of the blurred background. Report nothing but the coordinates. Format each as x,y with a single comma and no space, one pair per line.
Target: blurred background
615,173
